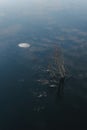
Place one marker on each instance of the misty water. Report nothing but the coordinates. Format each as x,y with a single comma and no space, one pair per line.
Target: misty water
25,103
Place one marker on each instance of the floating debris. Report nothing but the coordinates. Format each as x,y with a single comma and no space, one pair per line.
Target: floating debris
24,45
52,85
43,81
43,94
47,70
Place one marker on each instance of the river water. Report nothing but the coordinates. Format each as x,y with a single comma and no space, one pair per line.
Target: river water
25,103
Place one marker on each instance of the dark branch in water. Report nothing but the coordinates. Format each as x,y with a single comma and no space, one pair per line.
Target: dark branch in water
57,71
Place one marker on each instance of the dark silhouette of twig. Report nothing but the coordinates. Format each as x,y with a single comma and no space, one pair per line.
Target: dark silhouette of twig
61,86
57,71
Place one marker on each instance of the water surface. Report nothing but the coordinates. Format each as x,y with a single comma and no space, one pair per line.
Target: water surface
25,103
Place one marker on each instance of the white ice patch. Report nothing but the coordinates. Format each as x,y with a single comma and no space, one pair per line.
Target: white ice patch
24,45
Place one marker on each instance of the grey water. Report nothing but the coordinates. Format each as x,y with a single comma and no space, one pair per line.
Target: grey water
26,104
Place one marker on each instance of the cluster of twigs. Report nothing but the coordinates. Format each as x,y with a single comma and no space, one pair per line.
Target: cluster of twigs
56,71
56,67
